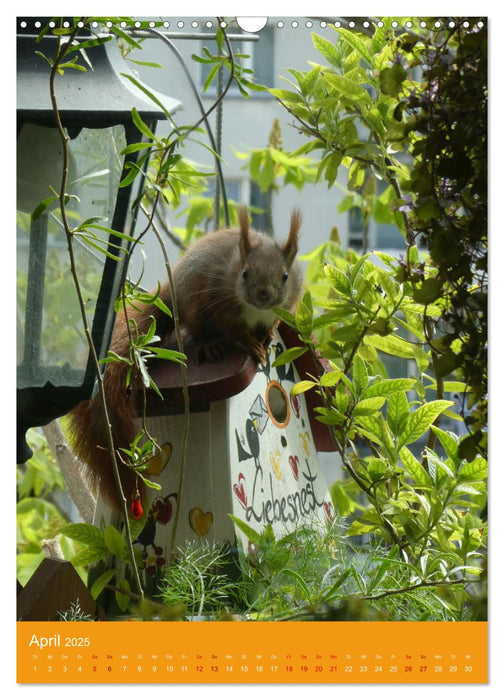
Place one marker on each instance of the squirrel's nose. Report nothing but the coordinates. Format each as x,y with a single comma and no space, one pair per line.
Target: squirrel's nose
263,294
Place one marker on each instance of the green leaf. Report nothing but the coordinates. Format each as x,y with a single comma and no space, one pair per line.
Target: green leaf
287,96
327,49
342,399
88,556
85,534
211,74
330,416
114,541
355,40
89,43
397,412
360,375
122,599
302,386
73,65
331,378
338,279
249,532
304,319
429,210
376,468
421,420
391,79
126,37
150,484
161,305
141,125
414,468
285,316
449,442
429,292
347,333
289,355
385,566
300,581
341,500
171,355
310,80
387,387
331,168
348,88
101,582
147,92
477,470
367,407
392,345
40,209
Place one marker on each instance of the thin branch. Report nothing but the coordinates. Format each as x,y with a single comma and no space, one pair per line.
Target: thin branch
185,390
62,50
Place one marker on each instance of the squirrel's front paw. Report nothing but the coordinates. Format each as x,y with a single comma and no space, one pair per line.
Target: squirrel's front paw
212,351
258,352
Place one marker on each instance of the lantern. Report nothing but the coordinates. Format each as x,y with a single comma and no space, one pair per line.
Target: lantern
55,370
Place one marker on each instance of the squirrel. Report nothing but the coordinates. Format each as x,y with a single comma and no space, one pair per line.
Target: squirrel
227,284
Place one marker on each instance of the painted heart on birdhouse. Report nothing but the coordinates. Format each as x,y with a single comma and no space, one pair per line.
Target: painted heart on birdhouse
305,443
294,463
275,464
200,522
240,491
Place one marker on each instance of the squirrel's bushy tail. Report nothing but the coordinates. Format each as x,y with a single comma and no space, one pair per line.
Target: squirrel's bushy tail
89,439
87,427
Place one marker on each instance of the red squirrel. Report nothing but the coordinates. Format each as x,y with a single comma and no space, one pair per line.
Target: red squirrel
227,284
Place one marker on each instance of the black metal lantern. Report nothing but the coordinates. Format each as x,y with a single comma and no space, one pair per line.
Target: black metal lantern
54,368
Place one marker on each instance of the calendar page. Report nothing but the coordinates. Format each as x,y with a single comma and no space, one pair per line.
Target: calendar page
280,475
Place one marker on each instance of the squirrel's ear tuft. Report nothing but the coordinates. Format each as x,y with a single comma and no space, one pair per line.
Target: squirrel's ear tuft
290,248
243,219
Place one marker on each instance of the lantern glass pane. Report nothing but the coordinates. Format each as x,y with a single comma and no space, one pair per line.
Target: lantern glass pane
52,344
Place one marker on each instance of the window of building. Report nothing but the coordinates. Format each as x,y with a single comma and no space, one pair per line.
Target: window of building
380,236
259,200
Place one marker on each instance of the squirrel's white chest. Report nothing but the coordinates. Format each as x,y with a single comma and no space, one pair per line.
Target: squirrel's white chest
254,317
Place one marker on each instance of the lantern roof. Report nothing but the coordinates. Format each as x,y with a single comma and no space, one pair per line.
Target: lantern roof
99,96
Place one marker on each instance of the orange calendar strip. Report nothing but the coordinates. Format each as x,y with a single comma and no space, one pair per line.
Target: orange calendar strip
252,652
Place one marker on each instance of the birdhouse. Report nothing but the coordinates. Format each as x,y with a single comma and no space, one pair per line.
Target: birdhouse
251,452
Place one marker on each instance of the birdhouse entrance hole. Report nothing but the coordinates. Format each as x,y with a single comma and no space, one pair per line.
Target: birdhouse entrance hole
277,403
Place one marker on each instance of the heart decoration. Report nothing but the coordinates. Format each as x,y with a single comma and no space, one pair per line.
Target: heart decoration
159,462
200,522
305,442
329,511
294,463
275,464
240,491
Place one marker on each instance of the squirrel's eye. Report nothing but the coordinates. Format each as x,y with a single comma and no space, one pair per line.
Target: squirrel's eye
245,274
285,277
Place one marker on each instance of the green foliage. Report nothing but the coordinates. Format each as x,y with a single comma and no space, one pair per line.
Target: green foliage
108,547
448,183
319,574
378,108
272,168
427,507
200,581
392,106
223,60
38,518
74,614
